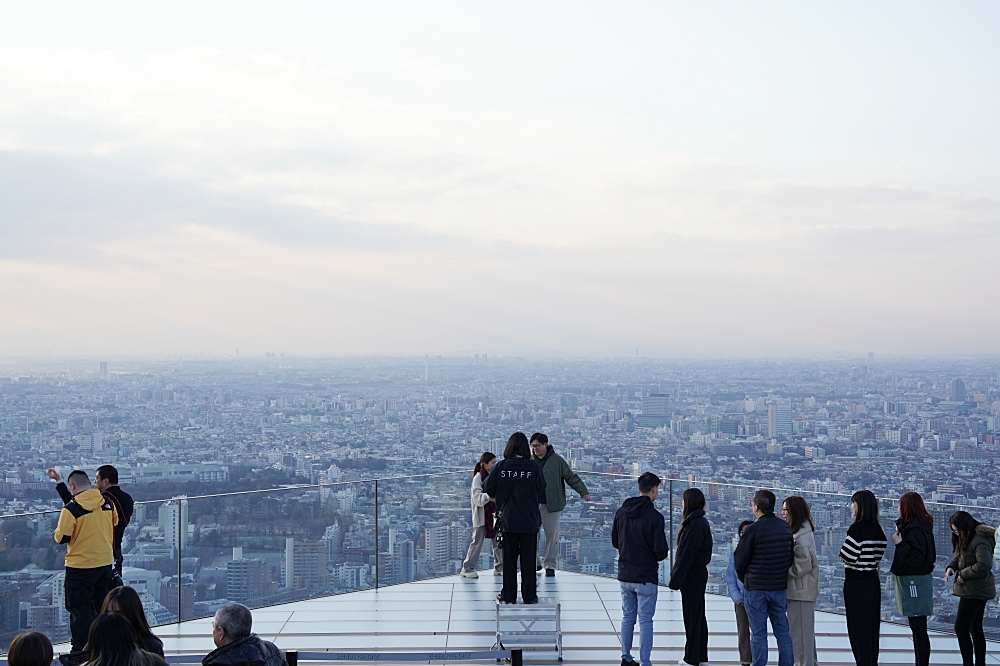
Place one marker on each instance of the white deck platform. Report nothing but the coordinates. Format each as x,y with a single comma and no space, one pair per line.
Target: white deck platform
456,613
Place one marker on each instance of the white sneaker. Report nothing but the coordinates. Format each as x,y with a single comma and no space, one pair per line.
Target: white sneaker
469,574
683,663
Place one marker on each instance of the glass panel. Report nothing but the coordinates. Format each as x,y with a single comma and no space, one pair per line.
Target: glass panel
271,547
425,527
149,559
31,577
585,527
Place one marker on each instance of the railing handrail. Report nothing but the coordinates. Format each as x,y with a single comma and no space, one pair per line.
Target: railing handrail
305,486
302,486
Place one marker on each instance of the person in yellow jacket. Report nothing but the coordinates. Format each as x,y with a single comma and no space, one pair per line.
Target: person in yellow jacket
87,527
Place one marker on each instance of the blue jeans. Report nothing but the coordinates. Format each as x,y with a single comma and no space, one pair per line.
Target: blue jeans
760,607
638,598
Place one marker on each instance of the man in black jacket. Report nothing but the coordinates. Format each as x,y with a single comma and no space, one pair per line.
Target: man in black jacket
639,537
235,645
762,561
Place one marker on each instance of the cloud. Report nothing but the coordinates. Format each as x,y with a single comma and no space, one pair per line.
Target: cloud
199,199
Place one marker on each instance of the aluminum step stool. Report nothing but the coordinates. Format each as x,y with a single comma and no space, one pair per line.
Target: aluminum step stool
530,627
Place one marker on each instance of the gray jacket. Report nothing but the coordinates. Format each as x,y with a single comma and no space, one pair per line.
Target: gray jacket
803,575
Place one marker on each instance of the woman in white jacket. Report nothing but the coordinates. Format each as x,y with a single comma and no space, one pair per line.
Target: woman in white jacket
482,520
803,581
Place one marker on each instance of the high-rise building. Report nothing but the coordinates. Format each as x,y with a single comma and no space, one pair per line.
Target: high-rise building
958,390
779,418
170,525
655,411
436,541
104,368
307,565
248,579
10,609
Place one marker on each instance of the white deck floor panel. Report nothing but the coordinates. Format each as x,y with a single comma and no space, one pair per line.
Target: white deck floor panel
458,614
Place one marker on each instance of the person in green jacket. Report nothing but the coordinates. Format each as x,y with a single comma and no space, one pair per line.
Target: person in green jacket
973,543
556,473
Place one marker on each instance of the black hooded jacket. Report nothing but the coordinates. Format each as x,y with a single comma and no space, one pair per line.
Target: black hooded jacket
517,483
694,547
764,555
639,536
916,553
247,651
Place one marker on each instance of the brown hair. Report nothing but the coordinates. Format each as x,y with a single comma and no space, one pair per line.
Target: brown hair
798,513
125,601
911,507
484,460
30,649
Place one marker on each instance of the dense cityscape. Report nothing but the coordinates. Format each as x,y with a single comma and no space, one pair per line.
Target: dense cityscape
294,446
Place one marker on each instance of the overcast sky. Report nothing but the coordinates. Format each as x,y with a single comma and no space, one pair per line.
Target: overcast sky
539,179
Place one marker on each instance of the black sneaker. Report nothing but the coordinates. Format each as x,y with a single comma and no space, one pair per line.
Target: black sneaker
629,663
549,573
500,599
538,567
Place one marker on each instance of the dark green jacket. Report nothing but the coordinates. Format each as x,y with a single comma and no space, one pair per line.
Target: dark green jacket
975,566
555,471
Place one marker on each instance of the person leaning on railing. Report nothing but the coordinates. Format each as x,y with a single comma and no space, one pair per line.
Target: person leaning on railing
912,567
973,544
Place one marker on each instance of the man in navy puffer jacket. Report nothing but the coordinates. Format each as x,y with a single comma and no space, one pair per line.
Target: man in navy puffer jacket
762,561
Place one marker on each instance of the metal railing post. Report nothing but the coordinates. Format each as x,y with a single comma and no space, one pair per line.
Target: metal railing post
180,526
376,534
670,489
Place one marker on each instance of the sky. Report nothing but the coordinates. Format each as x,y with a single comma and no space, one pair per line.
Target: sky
532,179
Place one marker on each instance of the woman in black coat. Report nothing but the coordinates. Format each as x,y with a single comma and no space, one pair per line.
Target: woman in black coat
915,555
690,574
516,483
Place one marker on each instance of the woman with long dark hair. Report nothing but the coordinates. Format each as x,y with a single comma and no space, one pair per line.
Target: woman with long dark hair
125,601
912,564
483,508
112,642
517,482
972,543
803,580
690,574
861,553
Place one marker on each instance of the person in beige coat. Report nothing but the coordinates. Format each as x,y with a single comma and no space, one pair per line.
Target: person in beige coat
803,581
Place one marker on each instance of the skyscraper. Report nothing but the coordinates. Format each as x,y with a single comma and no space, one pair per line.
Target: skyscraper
169,523
247,579
958,390
655,411
779,418
104,368
307,565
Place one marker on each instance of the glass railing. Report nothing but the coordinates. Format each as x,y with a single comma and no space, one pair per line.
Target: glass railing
186,556
585,546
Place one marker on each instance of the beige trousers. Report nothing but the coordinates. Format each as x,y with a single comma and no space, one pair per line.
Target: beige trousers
550,525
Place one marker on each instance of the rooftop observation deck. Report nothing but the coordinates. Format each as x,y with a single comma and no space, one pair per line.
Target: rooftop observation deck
452,614
364,566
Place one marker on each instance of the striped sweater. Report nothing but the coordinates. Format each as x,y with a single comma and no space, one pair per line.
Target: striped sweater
863,549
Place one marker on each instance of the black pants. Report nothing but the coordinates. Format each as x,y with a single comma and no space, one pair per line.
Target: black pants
85,592
863,603
519,546
921,642
969,629
695,623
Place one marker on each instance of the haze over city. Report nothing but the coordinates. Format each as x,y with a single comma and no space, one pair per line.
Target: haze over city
558,180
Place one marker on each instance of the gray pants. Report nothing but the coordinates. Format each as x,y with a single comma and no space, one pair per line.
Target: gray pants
550,523
802,626
743,634
476,547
